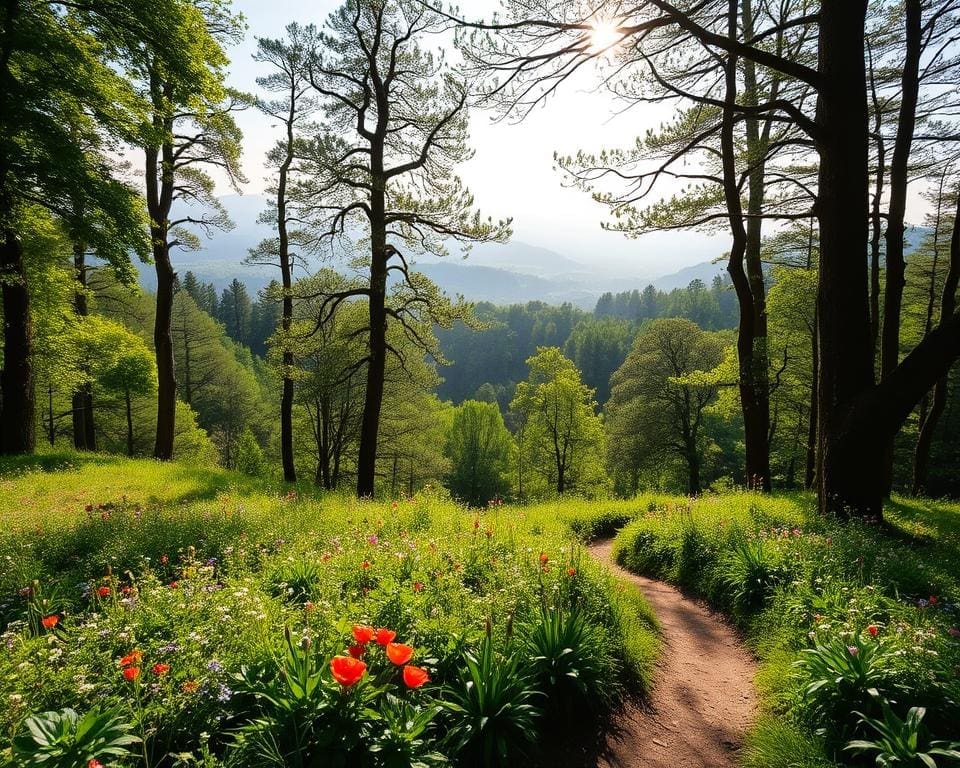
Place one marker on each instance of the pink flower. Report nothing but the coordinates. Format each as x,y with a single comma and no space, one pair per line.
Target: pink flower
953,632
853,650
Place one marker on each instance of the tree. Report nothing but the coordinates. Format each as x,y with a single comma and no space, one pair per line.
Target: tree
191,131
598,347
289,60
395,130
236,311
62,101
562,434
479,448
659,398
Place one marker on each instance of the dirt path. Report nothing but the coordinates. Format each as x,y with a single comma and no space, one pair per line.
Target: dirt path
703,699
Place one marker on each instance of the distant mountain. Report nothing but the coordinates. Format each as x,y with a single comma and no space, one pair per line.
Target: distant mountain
705,271
514,272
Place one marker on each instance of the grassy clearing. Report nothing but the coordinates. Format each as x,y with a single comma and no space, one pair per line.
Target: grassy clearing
200,571
858,606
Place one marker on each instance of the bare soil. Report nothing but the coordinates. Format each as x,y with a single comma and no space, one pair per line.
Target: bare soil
703,699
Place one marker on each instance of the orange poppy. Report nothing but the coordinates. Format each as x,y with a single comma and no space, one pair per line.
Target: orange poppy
385,636
103,592
363,634
571,572
544,557
414,677
131,673
399,653
347,670
160,669
49,622
131,659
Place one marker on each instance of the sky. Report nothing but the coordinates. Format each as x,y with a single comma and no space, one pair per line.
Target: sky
512,171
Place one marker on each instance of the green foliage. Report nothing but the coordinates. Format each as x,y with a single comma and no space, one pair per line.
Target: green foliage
65,739
248,456
749,573
901,742
493,707
479,448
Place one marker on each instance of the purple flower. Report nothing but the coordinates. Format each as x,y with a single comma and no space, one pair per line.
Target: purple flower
372,540
214,666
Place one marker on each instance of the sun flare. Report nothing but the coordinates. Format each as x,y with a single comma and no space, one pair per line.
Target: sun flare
604,35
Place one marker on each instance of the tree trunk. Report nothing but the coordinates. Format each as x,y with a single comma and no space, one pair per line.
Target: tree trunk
84,433
376,366
748,284
163,344
896,264
928,425
847,462
18,406
51,431
811,472
286,277
693,467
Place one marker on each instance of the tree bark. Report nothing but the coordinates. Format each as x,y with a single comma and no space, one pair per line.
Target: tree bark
84,432
18,407
129,423
847,463
899,179
286,277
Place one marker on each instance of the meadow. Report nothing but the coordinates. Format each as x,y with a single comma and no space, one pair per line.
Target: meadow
206,619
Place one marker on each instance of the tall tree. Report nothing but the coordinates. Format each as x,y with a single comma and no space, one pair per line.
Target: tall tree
396,128
479,448
289,82
191,130
60,96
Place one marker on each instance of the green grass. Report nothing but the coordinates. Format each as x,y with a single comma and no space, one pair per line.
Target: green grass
206,566
792,579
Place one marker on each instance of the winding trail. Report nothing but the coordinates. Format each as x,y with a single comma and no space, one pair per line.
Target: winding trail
703,699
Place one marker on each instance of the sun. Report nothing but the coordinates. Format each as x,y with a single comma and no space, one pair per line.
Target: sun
604,35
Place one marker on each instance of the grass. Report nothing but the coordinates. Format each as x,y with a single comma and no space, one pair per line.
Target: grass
794,581
201,570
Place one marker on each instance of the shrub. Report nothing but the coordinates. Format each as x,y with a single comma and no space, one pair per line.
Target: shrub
64,739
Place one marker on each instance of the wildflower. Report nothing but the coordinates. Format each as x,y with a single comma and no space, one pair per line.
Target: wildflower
49,622
94,763
189,686
414,677
853,650
953,632
174,584
215,666
385,636
160,669
372,540
308,606
872,630
356,650
817,618
418,586
399,653
571,572
164,559
347,670
103,592
544,558
131,659
131,673
933,600
363,634
365,564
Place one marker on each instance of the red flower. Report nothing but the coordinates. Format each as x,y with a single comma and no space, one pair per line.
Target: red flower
49,622
308,606
103,592
94,763
933,600
174,584
872,630
160,669
131,673
356,651
365,564
363,634
414,677
347,670
571,572
953,632
131,659
418,586
399,653
189,686
164,559
544,558
385,636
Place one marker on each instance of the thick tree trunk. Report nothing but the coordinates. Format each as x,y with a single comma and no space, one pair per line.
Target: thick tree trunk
18,406
928,425
847,461
693,469
163,344
895,262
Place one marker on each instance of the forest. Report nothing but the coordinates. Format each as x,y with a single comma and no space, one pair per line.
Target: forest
352,519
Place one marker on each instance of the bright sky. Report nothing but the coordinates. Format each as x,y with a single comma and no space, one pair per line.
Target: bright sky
512,173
